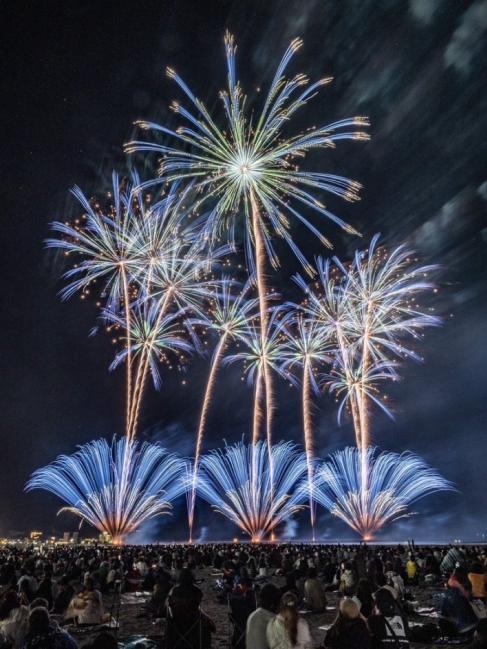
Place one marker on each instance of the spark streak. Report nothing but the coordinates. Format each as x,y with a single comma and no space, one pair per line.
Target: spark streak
227,483
394,482
114,487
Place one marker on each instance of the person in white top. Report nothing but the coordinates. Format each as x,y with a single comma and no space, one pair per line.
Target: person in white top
256,631
287,630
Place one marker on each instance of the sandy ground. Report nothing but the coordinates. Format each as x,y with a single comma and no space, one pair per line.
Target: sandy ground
135,622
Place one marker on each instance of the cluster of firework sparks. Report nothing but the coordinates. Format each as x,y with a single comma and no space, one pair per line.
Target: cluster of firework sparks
154,254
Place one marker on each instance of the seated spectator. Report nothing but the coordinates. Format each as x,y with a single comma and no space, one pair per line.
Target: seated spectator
455,612
242,603
349,630
478,578
395,582
157,603
288,630
87,606
25,593
63,598
27,578
46,590
185,597
412,570
314,593
364,596
290,586
141,567
188,627
459,580
347,580
38,601
268,602
262,566
42,634
9,601
14,629
388,623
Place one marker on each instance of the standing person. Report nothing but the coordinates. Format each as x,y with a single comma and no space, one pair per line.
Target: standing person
255,635
287,630
349,630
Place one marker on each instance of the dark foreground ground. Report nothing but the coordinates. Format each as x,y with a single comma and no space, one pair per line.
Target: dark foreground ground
135,622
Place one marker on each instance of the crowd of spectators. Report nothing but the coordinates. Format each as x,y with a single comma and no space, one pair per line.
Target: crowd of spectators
272,593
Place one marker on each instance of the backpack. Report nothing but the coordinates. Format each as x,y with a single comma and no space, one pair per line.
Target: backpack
396,628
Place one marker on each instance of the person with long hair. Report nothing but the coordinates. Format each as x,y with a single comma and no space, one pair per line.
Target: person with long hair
255,635
349,630
288,630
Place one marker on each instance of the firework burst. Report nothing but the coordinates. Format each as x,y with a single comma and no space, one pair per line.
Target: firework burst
394,483
251,166
227,482
114,487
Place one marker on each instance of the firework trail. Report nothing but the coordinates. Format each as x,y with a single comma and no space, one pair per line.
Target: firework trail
394,483
106,249
97,487
306,348
367,309
382,289
180,279
230,315
250,163
261,356
227,483
124,250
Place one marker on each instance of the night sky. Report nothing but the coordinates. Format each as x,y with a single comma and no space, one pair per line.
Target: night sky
76,75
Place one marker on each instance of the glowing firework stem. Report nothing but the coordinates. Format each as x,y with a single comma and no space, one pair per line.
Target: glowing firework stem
143,367
201,428
308,438
343,347
262,293
364,427
129,352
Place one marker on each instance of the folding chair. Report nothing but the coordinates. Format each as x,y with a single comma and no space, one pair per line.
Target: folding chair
238,635
116,605
189,637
